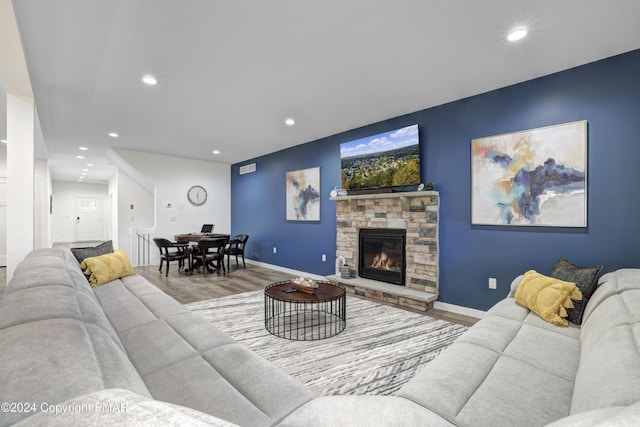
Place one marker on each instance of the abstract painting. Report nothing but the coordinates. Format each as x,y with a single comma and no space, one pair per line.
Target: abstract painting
535,177
303,195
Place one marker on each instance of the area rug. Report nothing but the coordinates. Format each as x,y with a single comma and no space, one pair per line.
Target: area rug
380,349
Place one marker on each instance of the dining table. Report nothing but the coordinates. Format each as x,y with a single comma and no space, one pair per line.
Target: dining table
195,238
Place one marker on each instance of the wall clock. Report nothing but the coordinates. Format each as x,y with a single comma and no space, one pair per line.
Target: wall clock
197,195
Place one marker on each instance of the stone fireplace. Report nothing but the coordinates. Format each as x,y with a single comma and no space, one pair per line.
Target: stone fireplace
416,214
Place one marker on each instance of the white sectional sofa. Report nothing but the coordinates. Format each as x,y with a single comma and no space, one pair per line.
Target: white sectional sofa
62,339
129,347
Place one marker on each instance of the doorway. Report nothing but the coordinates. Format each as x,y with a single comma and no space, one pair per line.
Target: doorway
89,221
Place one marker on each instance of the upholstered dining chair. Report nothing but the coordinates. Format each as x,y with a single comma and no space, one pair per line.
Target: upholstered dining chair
209,255
236,247
171,251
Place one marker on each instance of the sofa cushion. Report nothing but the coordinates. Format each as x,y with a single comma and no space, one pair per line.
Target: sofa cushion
609,372
231,382
585,278
33,305
57,342
546,296
446,383
49,361
508,354
61,268
185,360
105,268
363,411
517,394
87,252
132,301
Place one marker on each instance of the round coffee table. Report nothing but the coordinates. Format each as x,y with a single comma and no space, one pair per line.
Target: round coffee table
297,315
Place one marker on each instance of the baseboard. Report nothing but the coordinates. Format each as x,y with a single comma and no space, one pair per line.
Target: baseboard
452,308
458,309
285,270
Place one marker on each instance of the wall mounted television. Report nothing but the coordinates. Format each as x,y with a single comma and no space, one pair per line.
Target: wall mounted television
386,162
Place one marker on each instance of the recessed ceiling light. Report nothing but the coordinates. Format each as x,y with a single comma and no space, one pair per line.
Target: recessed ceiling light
89,164
83,148
79,157
4,141
517,34
289,122
85,170
216,151
113,134
149,79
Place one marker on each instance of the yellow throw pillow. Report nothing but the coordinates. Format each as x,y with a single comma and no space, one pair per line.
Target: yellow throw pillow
105,268
547,297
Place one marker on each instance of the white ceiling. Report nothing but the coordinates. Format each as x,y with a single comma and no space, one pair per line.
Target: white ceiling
230,72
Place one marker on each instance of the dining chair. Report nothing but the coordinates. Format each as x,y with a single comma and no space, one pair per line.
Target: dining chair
171,251
209,255
236,247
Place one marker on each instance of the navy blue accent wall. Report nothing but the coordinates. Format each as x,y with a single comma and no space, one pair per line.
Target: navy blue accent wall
605,93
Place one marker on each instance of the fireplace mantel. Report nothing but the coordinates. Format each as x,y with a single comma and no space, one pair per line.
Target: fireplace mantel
405,197
416,212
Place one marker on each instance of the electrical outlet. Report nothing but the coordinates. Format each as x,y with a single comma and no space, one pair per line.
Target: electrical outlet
493,283
324,257
275,250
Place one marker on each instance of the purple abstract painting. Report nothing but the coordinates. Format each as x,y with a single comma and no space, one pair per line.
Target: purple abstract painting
535,177
303,195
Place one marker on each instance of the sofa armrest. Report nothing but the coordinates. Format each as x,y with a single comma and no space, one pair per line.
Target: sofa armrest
612,416
514,285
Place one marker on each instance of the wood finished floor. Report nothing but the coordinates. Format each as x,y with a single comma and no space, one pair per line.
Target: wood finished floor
190,288
186,288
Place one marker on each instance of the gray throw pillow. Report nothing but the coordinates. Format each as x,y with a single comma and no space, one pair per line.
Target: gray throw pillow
585,278
101,249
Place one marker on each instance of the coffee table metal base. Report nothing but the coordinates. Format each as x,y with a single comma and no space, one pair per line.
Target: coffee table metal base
304,318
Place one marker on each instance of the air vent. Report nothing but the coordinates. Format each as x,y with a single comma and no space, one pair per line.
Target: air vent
247,168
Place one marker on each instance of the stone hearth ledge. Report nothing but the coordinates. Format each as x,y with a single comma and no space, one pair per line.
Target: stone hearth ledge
386,292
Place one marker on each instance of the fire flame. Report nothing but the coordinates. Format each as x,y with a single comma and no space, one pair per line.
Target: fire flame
383,261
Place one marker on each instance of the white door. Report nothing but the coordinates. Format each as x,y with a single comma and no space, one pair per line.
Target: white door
88,219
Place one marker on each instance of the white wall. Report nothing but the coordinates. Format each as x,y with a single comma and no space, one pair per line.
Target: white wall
112,209
172,177
43,188
20,179
64,208
42,218
131,194
3,205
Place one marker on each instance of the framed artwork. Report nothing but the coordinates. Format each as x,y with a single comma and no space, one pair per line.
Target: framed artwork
303,195
536,177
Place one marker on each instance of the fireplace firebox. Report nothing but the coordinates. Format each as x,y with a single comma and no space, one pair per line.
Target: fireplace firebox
382,254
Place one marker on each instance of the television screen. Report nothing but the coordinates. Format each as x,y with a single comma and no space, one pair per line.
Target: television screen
388,159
